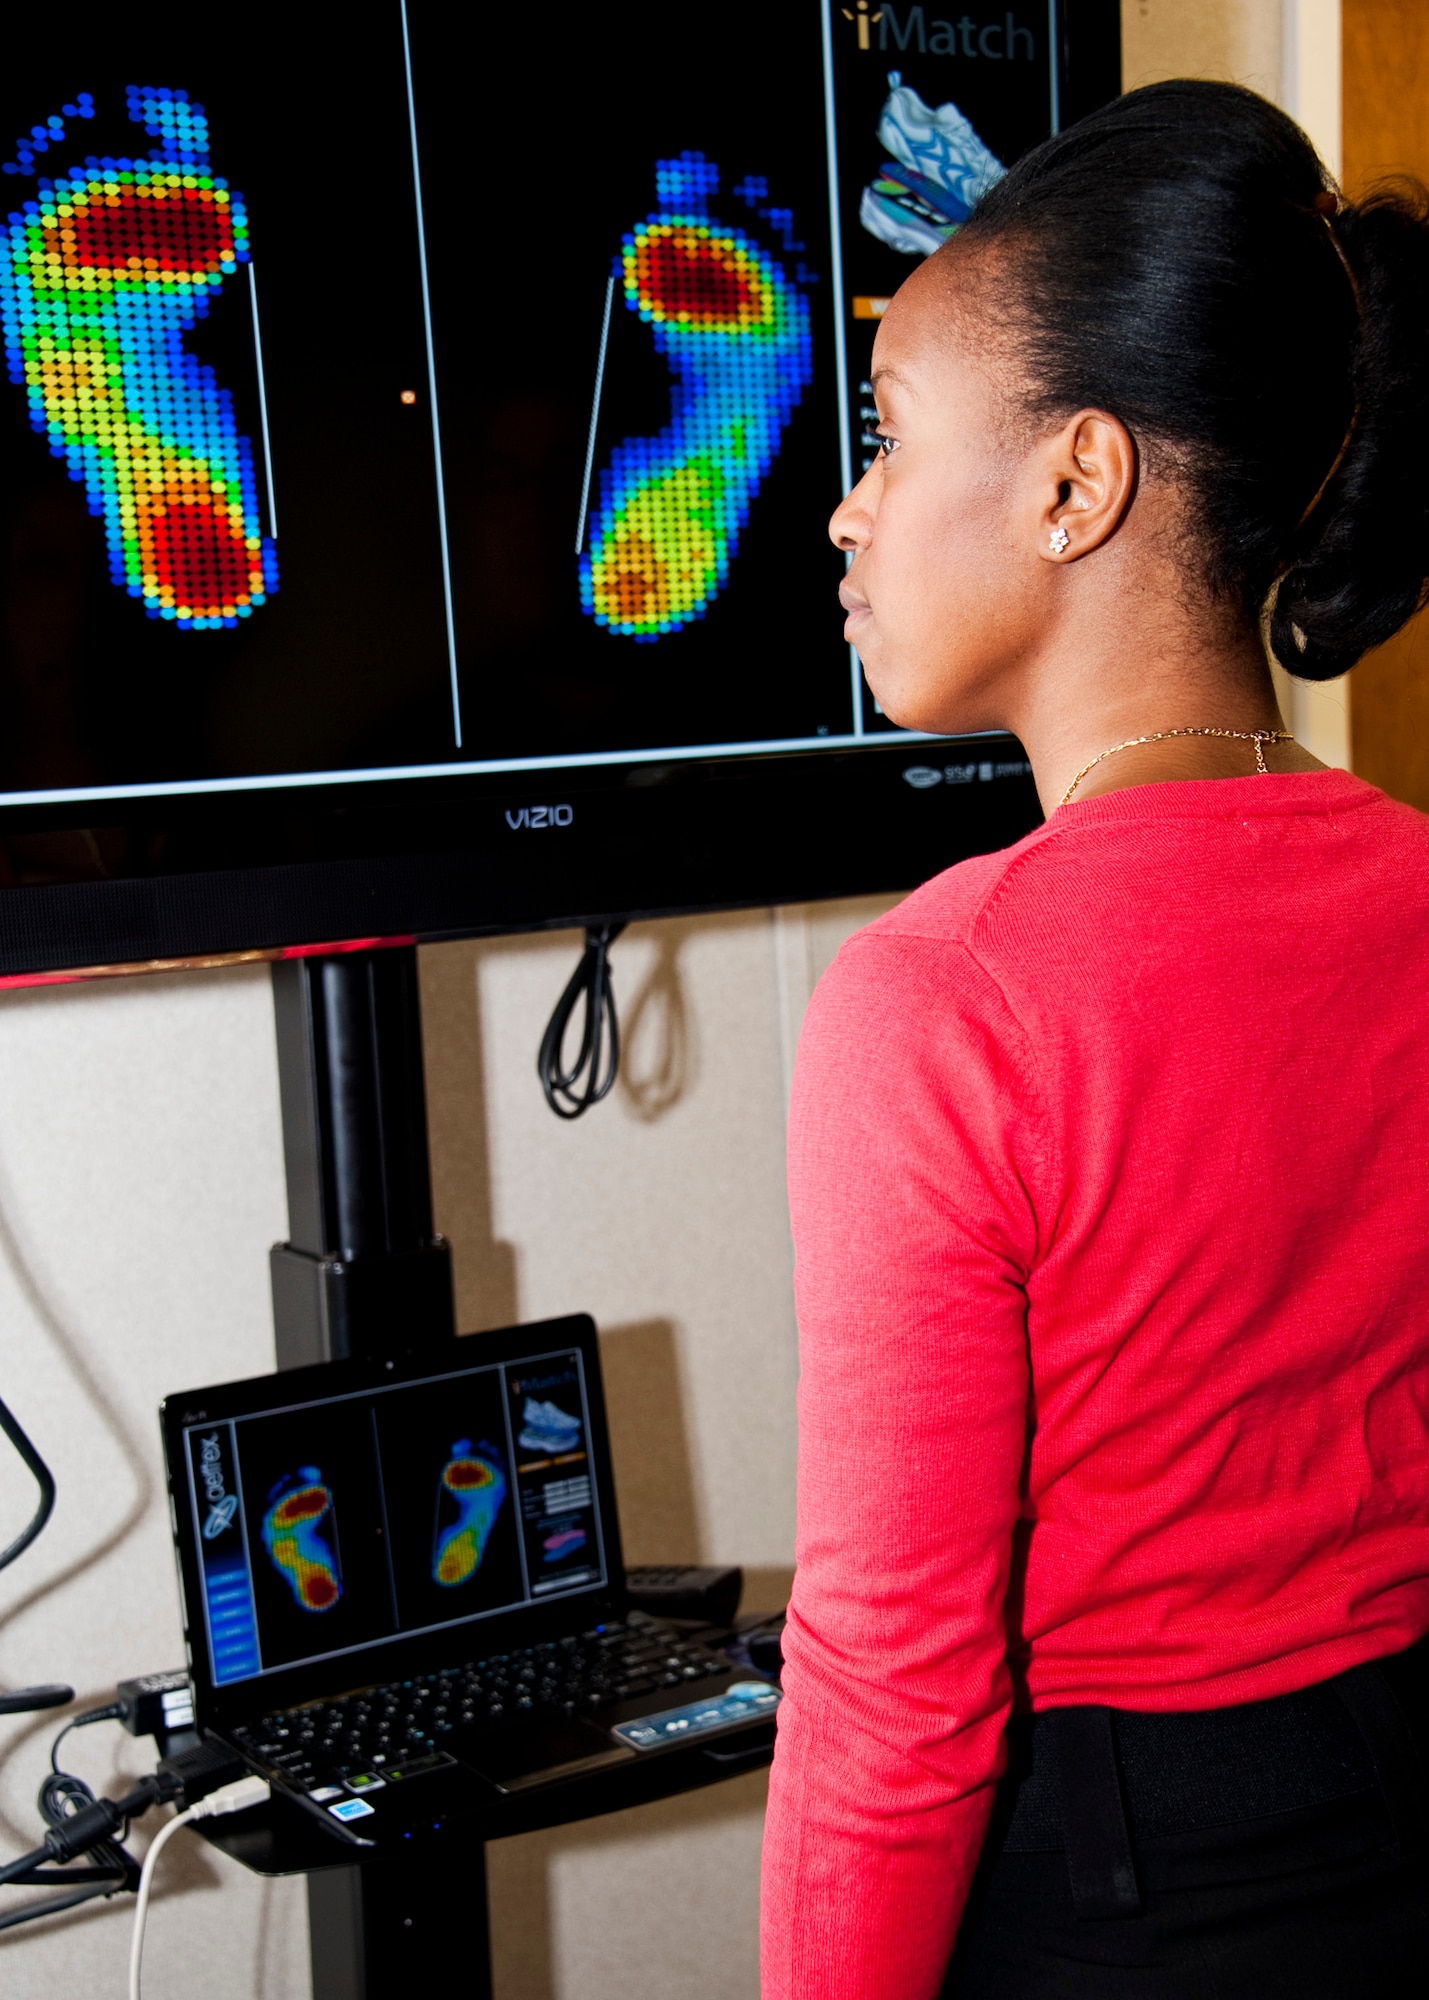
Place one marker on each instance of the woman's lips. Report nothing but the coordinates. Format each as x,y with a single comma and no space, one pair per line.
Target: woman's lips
856,607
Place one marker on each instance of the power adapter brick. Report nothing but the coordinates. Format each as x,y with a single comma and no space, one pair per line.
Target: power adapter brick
155,1702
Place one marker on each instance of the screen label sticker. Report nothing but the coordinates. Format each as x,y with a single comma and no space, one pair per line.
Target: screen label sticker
741,1703
347,1809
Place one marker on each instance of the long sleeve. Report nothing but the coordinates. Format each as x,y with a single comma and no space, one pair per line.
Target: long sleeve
916,1155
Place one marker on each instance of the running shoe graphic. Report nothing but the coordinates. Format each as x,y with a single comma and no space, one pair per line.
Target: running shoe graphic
469,1496
939,171
734,330
300,1535
101,275
546,1428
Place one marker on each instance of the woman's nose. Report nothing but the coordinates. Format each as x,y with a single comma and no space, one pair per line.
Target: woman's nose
851,526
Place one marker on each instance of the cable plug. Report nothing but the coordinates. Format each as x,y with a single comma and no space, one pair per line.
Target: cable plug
237,1797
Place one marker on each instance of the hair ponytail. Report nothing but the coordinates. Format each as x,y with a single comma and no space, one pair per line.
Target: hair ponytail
1359,567
1175,261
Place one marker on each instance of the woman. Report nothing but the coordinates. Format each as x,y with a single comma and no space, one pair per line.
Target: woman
1109,1157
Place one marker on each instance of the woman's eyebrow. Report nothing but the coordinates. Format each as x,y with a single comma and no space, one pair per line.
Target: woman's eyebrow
889,374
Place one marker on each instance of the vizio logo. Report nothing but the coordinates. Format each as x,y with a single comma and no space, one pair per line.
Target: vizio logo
539,816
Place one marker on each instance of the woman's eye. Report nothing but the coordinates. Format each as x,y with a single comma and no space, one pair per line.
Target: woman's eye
886,445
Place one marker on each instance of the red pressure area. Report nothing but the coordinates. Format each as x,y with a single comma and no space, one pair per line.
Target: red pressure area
466,1472
198,555
687,277
183,230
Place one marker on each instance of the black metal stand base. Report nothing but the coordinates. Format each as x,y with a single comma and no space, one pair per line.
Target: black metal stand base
422,1917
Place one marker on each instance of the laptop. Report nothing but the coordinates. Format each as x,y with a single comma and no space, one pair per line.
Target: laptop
402,1584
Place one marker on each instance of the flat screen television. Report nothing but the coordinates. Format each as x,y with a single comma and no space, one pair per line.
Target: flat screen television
418,436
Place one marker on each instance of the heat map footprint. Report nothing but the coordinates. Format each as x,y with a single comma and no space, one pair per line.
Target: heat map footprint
101,275
735,332
300,1535
469,1496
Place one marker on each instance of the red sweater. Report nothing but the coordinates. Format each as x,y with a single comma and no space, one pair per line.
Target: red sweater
1109,1170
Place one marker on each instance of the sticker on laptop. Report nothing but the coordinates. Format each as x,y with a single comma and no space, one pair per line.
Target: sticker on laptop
350,1809
740,1703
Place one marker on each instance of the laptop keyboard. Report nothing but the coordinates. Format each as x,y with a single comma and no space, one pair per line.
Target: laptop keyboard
384,1731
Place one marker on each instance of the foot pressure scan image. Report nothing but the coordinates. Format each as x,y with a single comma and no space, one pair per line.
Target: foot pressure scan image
469,1496
300,1535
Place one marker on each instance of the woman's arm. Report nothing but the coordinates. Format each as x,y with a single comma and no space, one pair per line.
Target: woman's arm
915,1154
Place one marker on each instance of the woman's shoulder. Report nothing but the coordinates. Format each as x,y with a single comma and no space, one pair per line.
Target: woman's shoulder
1154,857
924,947
945,909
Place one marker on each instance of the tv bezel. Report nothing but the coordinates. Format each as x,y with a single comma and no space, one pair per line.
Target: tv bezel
418,860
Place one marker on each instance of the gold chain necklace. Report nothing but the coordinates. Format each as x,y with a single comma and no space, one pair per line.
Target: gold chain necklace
1259,737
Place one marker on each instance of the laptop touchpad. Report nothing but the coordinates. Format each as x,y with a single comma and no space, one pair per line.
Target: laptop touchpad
539,1752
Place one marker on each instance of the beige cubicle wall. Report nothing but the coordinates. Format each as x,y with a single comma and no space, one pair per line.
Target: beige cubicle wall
141,1183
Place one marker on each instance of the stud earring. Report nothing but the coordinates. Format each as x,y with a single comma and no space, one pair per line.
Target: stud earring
1058,540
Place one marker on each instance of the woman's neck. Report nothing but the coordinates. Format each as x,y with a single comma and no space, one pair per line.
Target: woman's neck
1134,658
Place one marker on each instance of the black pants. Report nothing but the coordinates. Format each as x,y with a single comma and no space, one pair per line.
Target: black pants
1276,1849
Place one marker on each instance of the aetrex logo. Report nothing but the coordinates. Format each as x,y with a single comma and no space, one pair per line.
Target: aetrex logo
222,1505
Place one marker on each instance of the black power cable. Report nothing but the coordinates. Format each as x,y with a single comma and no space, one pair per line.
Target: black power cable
88,1826
570,1092
43,1478
63,1798
23,1701
111,1712
65,1802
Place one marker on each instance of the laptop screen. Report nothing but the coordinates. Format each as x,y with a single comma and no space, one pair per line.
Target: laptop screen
334,1524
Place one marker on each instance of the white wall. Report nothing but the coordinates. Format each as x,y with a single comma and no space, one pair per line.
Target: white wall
140,1187
140,1183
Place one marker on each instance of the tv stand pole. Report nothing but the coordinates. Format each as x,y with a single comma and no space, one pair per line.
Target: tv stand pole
364,1270
363,1266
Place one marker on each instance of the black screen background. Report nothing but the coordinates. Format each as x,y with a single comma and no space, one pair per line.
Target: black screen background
560,119
418,1431
346,664
337,1442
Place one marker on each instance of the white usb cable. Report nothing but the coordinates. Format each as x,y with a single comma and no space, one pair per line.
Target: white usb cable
232,1798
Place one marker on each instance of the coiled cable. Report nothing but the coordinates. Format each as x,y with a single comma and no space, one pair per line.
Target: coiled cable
571,1092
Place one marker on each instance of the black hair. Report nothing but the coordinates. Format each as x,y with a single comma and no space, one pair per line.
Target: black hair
1180,260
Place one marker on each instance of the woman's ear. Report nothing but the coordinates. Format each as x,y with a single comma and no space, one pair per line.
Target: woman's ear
1087,478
